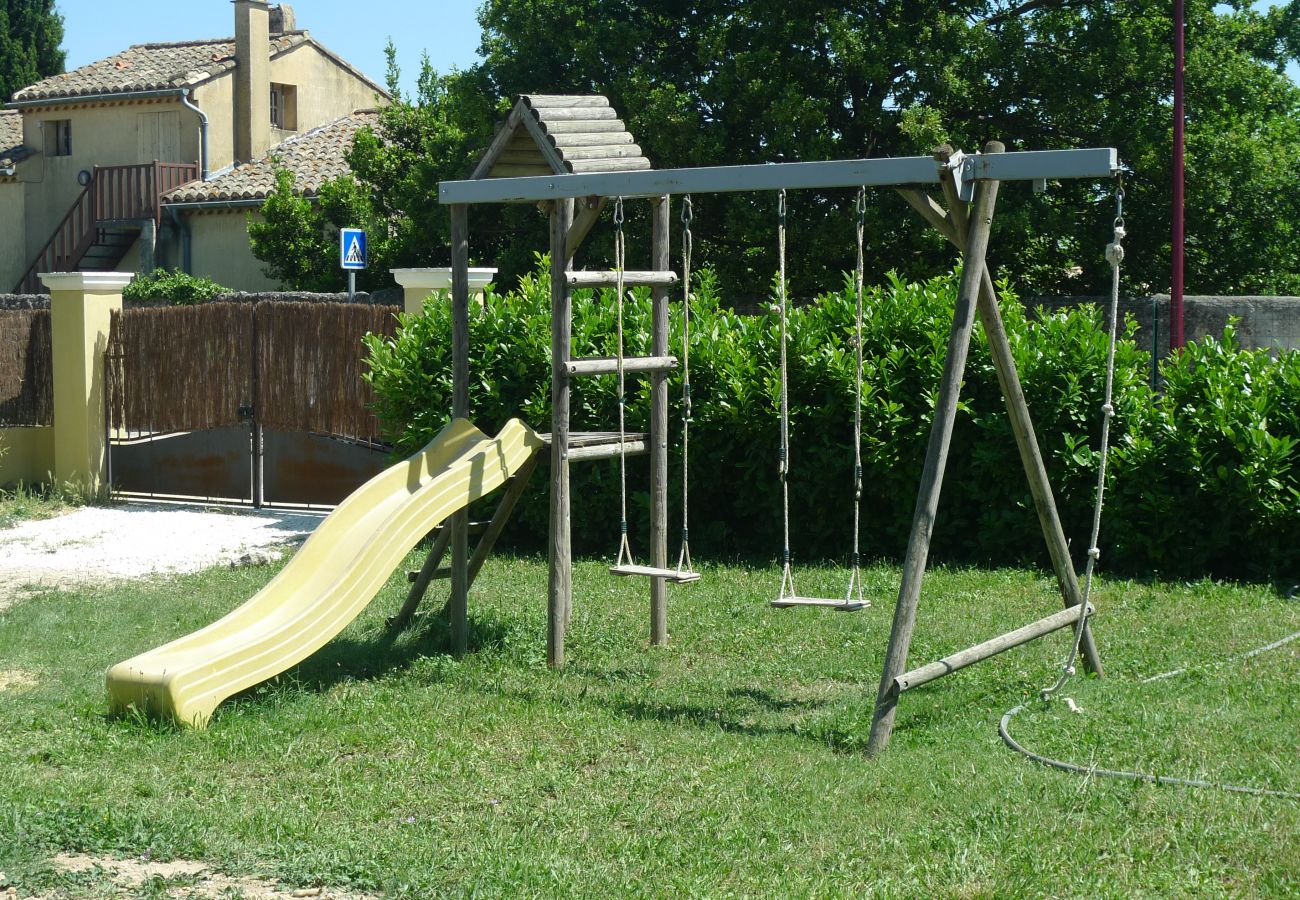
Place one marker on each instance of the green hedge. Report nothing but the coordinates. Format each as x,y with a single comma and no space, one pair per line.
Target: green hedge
174,286
1203,478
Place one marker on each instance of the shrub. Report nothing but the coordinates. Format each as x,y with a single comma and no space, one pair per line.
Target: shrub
174,286
1194,475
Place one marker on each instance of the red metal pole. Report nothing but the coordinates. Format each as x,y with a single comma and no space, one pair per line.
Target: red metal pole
1176,242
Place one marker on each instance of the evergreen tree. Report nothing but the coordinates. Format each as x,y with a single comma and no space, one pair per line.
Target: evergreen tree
31,33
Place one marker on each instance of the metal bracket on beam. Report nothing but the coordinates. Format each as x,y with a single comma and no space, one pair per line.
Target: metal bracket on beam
1037,166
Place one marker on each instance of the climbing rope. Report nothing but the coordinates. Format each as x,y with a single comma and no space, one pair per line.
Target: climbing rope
1115,256
684,566
624,549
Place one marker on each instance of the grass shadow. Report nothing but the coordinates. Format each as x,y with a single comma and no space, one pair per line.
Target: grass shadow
362,659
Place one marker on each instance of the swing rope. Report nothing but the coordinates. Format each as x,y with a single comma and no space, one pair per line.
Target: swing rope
855,574
1115,256
684,567
624,550
787,574
853,595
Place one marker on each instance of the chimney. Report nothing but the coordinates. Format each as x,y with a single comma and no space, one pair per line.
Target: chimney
252,79
282,19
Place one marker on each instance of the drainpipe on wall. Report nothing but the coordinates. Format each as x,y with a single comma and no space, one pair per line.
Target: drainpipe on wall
203,133
183,229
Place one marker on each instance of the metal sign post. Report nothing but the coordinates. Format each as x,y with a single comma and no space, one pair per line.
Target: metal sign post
352,255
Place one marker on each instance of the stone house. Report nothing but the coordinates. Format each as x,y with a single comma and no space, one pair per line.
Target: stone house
157,155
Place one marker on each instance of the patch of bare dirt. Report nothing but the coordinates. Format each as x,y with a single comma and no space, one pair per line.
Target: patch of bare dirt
16,680
184,880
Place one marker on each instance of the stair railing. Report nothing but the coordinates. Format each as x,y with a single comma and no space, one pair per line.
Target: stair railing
115,193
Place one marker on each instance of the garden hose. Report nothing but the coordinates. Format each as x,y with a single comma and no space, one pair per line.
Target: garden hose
1064,766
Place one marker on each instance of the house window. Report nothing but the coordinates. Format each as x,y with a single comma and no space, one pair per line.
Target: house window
284,107
58,137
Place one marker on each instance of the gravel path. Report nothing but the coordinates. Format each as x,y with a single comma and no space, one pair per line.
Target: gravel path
105,544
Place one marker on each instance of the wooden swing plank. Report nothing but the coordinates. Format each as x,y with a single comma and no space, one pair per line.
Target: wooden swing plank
654,572
992,647
836,603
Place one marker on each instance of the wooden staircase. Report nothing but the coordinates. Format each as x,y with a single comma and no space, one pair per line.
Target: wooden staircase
105,219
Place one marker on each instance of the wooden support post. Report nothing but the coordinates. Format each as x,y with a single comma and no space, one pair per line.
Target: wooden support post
660,252
953,227
560,588
927,500
458,605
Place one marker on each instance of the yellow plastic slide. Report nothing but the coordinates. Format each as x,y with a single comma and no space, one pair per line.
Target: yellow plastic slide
328,582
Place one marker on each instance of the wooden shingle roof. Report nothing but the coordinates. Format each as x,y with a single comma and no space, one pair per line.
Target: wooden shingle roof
552,134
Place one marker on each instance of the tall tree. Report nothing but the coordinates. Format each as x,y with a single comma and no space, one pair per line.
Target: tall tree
713,82
718,82
31,33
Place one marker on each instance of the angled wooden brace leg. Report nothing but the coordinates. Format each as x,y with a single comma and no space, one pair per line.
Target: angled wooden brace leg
421,583
429,571
936,458
953,225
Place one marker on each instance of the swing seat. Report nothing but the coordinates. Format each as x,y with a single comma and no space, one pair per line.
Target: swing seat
835,603
670,575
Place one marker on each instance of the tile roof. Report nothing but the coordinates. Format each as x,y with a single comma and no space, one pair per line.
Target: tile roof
151,67
11,138
313,157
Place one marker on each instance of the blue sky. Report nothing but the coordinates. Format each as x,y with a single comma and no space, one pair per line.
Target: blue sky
357,31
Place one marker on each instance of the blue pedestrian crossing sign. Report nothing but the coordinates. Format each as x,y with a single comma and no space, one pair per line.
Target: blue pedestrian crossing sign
352,248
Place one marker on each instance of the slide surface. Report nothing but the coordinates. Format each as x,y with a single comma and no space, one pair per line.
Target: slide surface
329,581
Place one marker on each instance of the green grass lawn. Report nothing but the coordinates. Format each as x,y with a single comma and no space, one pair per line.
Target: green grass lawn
727,764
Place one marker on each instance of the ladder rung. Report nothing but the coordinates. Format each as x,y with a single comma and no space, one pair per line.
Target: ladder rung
414,576
825,602
630,279
672,575
607,451
608,365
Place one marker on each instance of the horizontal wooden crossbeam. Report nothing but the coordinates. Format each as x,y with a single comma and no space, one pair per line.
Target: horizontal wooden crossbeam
1033,165
963,658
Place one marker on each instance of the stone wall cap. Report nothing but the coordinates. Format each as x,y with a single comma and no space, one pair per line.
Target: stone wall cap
86,281
438,277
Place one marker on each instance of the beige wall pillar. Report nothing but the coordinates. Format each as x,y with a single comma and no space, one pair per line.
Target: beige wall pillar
417,284
80,305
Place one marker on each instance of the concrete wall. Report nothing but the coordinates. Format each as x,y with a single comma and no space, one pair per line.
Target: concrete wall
220,251
1266,323
26,455
13,248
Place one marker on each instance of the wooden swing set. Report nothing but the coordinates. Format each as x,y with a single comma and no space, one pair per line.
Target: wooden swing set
587,161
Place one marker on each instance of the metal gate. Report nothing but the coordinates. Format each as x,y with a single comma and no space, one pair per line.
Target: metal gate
256,404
